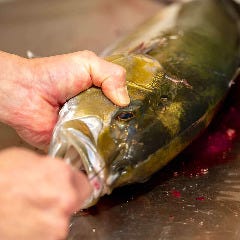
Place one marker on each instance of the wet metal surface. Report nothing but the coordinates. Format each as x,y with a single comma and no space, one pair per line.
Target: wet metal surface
195,197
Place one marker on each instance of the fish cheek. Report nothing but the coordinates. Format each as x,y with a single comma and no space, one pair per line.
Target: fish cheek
106,146
127,165
153,137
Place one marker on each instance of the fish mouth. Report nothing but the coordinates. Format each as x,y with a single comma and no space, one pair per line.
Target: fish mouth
76,144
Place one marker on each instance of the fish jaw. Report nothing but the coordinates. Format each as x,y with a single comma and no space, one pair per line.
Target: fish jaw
75,141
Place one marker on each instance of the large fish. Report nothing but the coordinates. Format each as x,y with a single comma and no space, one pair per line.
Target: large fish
180,65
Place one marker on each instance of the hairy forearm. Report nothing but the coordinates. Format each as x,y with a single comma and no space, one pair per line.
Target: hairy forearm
15,76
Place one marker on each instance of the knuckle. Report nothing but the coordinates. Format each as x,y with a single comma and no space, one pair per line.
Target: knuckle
120,72
88,54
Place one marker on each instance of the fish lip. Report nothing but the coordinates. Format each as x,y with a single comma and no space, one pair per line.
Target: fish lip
93,165
66,139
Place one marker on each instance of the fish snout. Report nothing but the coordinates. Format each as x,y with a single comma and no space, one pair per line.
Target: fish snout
75,142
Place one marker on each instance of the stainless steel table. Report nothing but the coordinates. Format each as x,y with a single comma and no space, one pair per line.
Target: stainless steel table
196,196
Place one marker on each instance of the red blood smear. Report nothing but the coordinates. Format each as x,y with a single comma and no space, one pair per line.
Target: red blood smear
96,185
211,149
215,145
219,143
176,193
200,198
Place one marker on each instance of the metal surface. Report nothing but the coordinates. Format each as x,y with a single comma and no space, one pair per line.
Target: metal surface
197,196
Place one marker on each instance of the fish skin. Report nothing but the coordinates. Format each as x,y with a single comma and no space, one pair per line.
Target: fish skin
177,76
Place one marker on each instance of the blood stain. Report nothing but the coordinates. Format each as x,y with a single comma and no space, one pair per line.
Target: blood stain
176,193
201,198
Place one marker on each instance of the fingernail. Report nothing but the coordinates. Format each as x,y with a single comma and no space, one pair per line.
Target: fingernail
123,96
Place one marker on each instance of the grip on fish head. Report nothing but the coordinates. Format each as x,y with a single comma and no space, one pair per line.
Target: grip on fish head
106,141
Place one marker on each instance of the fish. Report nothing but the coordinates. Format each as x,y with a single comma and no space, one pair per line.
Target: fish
180,65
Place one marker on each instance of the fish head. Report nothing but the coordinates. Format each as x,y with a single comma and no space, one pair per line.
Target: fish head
105,141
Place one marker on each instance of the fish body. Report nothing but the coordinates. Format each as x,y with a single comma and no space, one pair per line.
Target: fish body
180,65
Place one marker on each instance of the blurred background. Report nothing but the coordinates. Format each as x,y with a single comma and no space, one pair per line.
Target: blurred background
60,26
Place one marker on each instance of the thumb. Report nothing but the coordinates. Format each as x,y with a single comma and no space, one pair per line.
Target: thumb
65,76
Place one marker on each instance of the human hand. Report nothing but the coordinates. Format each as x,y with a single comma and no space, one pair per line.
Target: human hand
38,195
32,91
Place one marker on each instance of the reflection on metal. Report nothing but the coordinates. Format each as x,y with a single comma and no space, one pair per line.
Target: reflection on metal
231,190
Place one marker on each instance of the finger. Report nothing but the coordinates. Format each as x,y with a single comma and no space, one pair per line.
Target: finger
68,75
112,79
82,187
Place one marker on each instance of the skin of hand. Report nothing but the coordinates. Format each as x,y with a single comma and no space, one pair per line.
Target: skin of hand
38,195
33,90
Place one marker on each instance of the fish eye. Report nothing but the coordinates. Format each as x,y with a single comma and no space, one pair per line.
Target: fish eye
125,116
